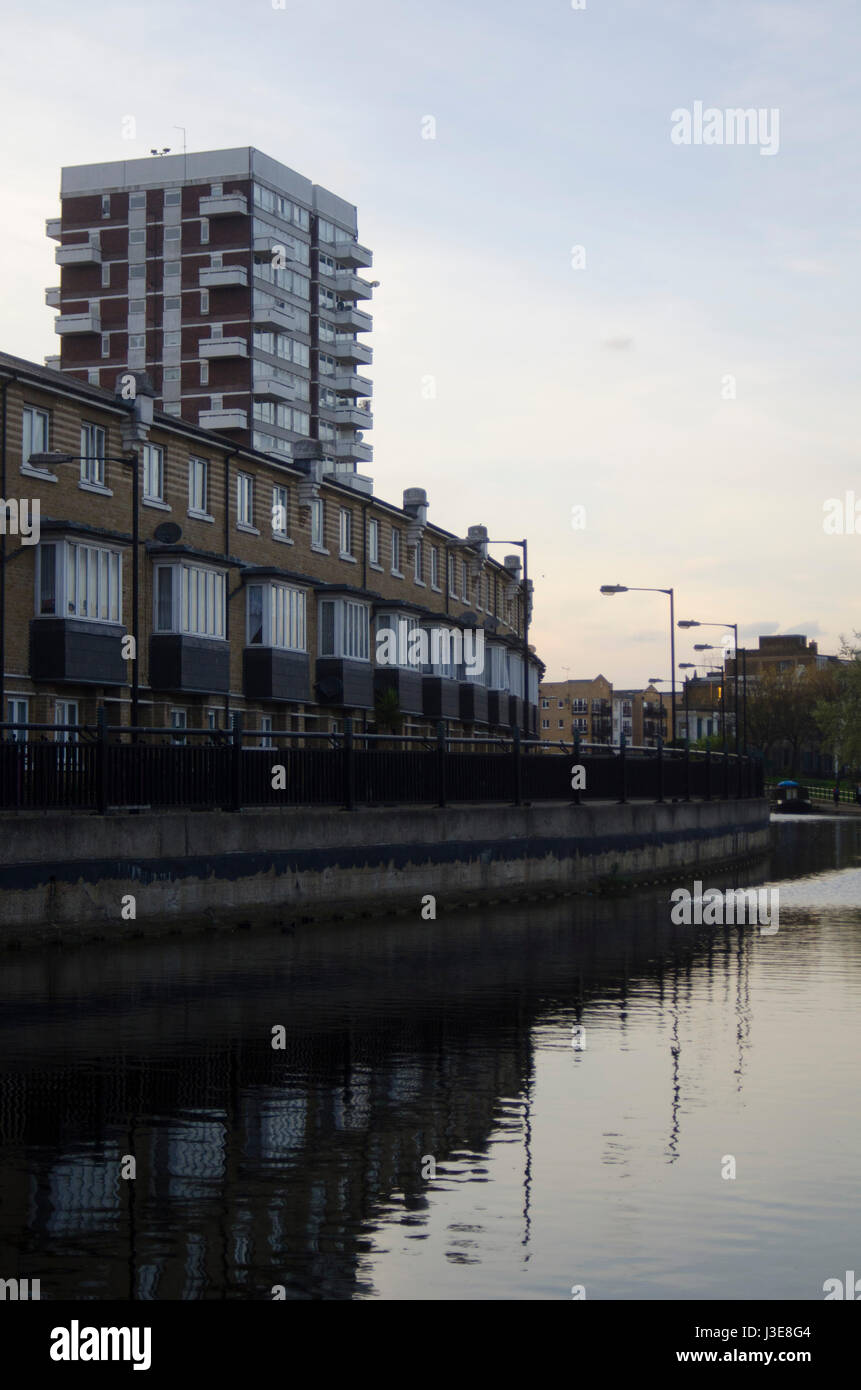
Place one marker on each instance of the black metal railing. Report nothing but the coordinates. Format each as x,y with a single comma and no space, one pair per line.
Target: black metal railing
103,768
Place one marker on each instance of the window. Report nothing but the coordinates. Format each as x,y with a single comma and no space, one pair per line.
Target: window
16,713
204,230
93,455
66,712
172,234
137,201
137,306
401,649
204,301
266,731
318,522
172,340
215,190
189,599
396,551
106,275
204,373
89,576
560,704
137,340
216,260
545,704
434,567
280,511
244,499
137,272
171,373
153,473
172,301
561,723
464,584
276,616
374,541
451,576
137,237
172,198
36,432
545,723
344,629
178,720
417,563
106,205
345,531
197,471
172,268
106,344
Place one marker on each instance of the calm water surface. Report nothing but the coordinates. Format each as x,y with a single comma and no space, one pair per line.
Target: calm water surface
408,1041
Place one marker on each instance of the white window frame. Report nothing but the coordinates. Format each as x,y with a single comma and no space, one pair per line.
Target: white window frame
33,414
318,524
85,576
17,712
402,625
245,501
280,511
345,533
153,463
284,616
195,591
65,712
351,629
373,541
198,469
396,550
93,448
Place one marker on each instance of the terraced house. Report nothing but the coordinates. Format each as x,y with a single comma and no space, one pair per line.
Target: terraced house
262,584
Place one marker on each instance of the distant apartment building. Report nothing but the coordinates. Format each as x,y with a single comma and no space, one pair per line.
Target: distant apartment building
231,281
264,584
575,708
789,652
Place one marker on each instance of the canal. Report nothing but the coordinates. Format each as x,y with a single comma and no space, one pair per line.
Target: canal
424,1126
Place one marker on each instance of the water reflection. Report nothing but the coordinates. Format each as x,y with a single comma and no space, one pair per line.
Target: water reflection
405,1041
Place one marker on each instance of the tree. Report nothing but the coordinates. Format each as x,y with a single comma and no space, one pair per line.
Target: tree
387,712
838,711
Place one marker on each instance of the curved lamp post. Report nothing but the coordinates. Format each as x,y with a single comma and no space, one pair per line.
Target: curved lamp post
608,590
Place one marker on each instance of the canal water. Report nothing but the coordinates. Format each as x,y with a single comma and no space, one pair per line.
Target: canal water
428,1130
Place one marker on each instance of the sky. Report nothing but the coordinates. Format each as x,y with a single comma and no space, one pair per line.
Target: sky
638,353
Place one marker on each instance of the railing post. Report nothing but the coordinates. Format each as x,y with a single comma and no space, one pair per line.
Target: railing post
687,767
660,796
349,765
708,771
518,771
440,762
235,764
577,797
102,722
623,781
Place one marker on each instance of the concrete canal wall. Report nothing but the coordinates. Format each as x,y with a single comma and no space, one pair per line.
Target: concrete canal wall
74,877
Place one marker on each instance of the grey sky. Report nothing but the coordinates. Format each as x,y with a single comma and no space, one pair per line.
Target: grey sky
605,386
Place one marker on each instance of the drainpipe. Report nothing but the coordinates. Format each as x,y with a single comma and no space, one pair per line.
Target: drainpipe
232,454
7,381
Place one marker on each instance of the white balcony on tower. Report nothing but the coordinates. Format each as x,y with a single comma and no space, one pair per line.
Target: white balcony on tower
274,316
53,362
352,321
53,227
210,348
81,253
349,286
351,449
348,253
351,384
223,420
69,324
52,297
271,389
349,350
352,415
212,278
224,205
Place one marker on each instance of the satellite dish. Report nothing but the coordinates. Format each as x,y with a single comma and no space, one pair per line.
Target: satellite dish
168,533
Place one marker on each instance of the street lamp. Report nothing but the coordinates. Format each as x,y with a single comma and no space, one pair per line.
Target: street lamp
608,590
131,459
691,622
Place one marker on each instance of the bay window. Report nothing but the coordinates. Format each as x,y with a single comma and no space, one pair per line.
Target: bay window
189,599
79,581
276,616
396,645
344,629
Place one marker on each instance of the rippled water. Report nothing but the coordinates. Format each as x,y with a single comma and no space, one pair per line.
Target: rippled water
410,1041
